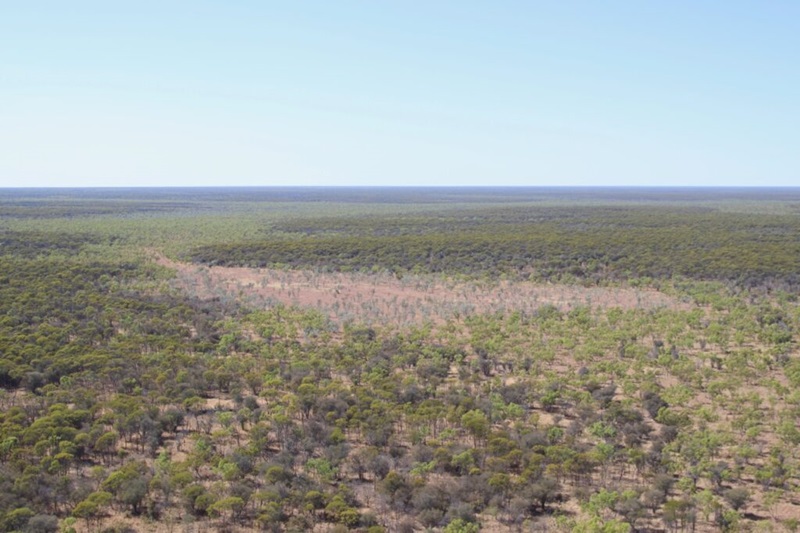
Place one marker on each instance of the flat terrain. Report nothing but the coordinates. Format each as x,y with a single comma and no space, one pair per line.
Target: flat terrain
604,360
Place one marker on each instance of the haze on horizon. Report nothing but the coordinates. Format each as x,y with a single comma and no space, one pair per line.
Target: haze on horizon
451,93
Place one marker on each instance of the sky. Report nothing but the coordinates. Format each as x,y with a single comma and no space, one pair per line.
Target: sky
351,93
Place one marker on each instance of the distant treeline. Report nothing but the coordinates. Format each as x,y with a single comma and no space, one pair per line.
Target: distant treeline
30,244
593,244
400,195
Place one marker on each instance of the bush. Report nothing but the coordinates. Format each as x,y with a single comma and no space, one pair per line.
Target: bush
42,523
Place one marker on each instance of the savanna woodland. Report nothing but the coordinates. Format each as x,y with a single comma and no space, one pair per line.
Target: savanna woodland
398,360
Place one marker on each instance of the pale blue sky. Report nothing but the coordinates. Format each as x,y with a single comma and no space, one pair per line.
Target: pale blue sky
399,93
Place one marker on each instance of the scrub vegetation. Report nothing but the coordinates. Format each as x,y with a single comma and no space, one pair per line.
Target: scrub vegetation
374,360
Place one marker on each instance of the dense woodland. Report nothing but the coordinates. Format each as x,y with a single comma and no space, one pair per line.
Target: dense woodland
587,244
131,403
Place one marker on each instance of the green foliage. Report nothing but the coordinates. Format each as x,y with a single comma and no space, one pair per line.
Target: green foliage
232,505
476,423
93,506
16,519
593,243
461,526
597,525
121,395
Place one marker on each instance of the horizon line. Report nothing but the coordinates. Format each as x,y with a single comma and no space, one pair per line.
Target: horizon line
141,187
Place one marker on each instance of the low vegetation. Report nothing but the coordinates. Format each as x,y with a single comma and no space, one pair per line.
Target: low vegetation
133,397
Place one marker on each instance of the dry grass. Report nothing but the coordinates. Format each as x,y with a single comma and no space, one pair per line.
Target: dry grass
382,298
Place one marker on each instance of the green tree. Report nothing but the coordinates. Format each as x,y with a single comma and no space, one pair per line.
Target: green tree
477,424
